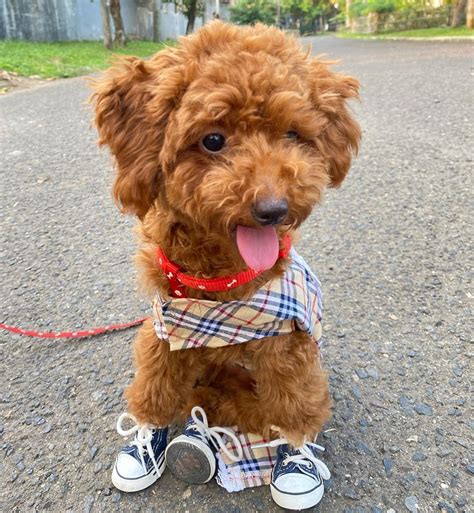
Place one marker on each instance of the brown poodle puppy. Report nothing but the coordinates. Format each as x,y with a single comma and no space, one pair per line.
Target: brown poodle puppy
236,127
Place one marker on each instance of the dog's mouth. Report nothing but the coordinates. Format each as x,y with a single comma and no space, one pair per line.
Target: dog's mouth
259,247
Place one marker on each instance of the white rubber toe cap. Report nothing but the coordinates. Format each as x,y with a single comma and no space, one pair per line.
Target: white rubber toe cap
295,483
128,467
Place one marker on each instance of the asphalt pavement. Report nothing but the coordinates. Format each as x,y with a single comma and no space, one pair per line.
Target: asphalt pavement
392,248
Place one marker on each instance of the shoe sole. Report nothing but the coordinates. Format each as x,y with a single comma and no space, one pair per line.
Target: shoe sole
141,483
295,501
190,460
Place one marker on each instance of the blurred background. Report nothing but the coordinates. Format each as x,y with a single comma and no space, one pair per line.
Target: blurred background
47,39
115,20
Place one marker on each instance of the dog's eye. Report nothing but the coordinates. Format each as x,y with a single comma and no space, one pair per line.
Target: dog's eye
292,135
213,142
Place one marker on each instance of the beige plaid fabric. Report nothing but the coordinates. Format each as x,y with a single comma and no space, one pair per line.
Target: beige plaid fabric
254,469
292,302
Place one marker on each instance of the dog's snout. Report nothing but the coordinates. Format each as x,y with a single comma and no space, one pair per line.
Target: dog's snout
269,212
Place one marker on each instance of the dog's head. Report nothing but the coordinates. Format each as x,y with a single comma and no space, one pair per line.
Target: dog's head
236,129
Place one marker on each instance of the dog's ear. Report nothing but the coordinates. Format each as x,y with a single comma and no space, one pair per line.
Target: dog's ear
133,133
339,141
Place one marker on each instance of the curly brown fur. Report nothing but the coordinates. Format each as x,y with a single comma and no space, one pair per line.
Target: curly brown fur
252,85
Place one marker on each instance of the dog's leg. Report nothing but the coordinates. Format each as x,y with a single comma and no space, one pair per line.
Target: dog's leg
227,394
163,379
285,388
291,387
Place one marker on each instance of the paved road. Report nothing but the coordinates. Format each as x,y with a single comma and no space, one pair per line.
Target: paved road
391,248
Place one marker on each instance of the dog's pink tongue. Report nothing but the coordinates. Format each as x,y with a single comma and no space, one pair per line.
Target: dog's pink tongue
258,247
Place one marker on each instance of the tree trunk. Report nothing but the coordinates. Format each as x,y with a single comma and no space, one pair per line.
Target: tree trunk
106,31
120,38
348,15
156,9
458,13
470,14
191,14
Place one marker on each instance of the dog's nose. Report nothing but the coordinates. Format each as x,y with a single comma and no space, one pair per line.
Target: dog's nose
270,211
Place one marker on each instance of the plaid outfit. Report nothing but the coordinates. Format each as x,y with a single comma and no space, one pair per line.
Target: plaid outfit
292,302
254,469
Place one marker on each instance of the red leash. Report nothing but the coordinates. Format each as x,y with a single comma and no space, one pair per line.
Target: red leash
72,334
177,279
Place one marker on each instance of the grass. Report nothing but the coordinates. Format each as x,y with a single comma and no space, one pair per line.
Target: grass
66,59
418,33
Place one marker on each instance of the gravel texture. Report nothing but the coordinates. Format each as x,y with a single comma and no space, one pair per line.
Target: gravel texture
391,249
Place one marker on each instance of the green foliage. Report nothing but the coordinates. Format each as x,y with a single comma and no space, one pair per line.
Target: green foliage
307,13
68,59
186,6
362,8
249,12
300,13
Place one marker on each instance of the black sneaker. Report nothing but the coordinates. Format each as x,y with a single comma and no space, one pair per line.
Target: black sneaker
142,462
190,456
297,477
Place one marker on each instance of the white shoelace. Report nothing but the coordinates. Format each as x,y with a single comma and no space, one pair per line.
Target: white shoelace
305,456
213,434
144,436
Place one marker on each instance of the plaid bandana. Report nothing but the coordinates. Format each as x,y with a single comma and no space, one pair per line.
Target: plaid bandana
292,302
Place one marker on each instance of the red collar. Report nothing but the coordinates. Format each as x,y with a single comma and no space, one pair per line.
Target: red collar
179,280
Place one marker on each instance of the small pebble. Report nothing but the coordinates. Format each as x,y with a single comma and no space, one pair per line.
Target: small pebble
453,411
388,465
38,421
346,415
116,497
411,477
405,405
419,456
356,392
445,508
411,504
439,436
94,450
443,451
362,373
363,448
373,372
423,409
